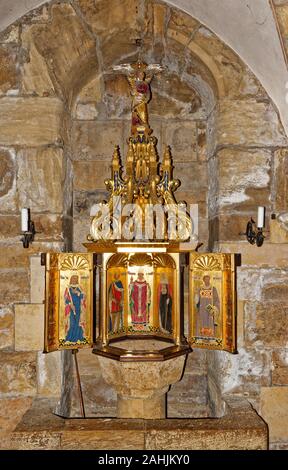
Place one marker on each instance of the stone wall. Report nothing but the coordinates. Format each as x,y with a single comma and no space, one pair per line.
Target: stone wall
61,113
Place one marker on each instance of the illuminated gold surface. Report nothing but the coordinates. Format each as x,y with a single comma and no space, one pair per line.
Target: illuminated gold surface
60,268
221,270
146,182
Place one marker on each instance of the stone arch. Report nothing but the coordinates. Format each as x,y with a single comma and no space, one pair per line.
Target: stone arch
36,126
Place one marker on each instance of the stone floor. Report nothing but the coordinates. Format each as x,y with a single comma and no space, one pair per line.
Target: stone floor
240,429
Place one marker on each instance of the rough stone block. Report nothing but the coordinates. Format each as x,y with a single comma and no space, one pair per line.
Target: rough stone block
266,323
30,121
197,198
49,374
192,388
14,254
81,228
196,361
10,226
117,16
37,280
10,34
8,193
43,173
17,374
72,58
6,327
243,178
29,327
193,176
278,232
281,180
35,77
96,140
249,123
280,367
8,72
84,200
202,141
49,227
11,412
265,256
275,290
274,410
14,286
182,138
180,21
116,98
174,98
282,17
90,176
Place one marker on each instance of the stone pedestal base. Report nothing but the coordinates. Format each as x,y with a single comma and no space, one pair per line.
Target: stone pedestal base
153,408
141,386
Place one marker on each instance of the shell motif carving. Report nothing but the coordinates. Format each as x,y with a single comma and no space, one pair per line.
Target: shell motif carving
163,261
74,262
140,259
207,263
119,259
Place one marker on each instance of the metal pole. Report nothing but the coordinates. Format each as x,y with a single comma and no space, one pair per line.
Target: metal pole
74,352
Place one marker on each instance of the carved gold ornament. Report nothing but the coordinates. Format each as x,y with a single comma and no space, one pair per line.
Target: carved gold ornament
146,183
74,263
207,263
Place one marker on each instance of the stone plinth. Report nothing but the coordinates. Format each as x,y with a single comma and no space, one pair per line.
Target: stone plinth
240,429
141,386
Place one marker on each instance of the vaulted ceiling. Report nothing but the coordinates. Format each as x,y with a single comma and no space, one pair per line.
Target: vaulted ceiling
249,27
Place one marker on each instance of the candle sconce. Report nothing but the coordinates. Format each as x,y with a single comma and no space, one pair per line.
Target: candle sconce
27,228
254,234
28,236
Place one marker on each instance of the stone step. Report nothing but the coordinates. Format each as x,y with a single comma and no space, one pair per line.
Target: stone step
240,429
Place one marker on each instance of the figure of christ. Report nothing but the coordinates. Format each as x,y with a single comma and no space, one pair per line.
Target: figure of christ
74,304
141,95
139,299
115,303
207,307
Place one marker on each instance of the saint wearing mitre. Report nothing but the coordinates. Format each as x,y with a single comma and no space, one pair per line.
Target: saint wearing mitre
139,299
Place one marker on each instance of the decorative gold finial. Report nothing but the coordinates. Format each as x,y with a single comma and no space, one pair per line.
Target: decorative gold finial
144,183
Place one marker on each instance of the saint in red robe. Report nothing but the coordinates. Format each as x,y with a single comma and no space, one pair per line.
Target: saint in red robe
140,299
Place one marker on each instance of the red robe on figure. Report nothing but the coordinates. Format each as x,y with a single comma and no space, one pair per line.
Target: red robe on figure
140,299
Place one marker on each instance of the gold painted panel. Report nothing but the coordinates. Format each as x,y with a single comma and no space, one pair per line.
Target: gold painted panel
212,304
140,296
68,301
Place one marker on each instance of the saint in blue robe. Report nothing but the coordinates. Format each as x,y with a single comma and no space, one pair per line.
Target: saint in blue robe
75,332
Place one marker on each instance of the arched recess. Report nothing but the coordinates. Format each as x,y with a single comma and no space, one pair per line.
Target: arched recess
59,121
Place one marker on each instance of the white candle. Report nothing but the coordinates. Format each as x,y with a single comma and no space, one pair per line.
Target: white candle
261,213
24,219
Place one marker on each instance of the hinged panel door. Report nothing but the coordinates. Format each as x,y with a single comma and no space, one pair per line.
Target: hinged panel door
212,310
69,288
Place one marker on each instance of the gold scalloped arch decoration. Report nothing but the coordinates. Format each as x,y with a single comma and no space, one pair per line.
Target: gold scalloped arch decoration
207,263
163,261
119,259
140,259
74,262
